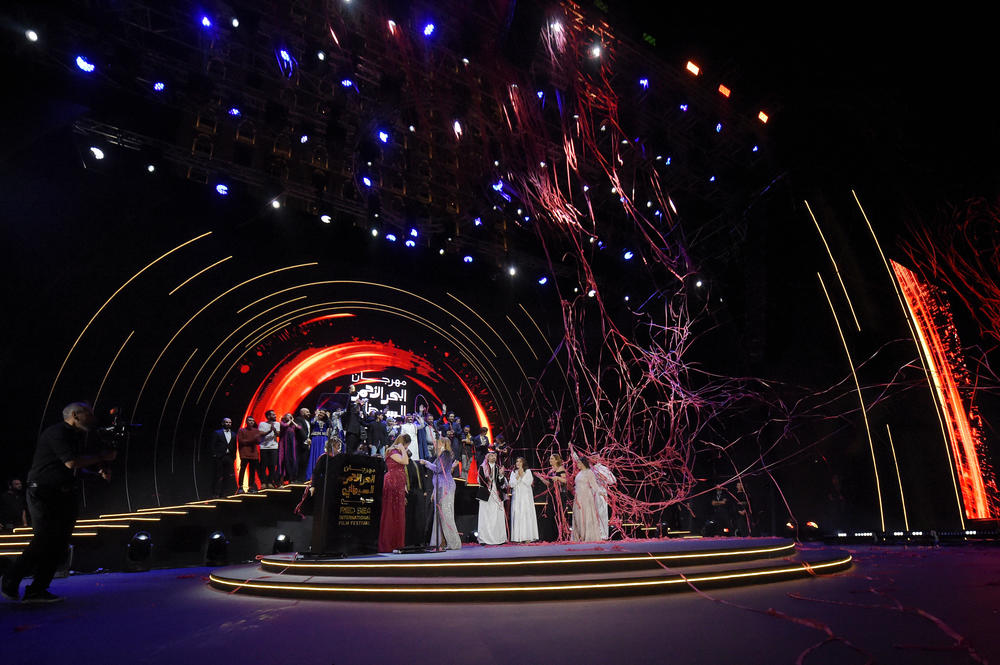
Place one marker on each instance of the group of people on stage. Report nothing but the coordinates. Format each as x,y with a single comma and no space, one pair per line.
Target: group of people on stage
498,522
424,456
276,452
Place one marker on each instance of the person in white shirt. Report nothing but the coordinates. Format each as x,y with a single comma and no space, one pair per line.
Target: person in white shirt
269,431
410,428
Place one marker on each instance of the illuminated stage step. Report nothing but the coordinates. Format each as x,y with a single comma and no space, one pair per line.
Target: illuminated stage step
538,559
553,572
178,531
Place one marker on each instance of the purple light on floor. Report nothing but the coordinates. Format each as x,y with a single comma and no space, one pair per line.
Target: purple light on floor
84,64
428,30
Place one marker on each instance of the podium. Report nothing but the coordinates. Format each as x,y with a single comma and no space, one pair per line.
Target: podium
348,505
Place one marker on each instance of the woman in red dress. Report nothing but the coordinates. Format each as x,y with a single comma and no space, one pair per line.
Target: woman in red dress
392,529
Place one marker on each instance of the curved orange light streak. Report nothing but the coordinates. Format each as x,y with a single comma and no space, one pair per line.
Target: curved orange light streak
342,315
963,436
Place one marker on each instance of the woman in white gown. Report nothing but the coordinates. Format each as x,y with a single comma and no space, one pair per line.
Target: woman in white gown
523,521
492,520
586,523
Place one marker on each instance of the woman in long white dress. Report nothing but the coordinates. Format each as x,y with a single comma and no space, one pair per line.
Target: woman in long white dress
604,480
523,521
492,520
586,523
444,496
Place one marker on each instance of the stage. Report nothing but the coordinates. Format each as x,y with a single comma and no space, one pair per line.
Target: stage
514,572
917,605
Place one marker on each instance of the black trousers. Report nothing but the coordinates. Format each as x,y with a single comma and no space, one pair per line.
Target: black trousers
269,467
251,464
222,474
53,514
351,443
301,461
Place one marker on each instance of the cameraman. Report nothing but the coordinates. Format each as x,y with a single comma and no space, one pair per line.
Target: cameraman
52,496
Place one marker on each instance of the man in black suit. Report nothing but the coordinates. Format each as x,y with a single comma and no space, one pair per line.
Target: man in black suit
303,437
222,446
351,422
419,499
481,441
379,435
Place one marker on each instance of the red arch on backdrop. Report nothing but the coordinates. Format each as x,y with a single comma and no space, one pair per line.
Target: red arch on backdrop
293,379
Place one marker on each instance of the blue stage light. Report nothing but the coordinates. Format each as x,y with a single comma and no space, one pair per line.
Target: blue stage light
383,136
712,179
233,111
235,22
223,190
391,237
159,86
498,185
428,30
467,258
410,243
755,149
206,22
84,64
304,138
326,219
684,107
31,35
347,83
628,255
413,233
285,55
543,280
367,181
97,152
478,221
541,95
644,82
718,128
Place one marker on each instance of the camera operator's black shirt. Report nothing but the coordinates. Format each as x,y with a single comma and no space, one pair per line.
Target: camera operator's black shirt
56,446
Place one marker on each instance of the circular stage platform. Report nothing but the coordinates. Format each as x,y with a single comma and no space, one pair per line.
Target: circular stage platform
534,572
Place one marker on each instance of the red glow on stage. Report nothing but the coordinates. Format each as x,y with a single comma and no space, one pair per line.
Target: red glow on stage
297,375
939,341
342,315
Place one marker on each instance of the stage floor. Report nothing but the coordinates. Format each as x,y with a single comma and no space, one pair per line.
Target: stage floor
896,605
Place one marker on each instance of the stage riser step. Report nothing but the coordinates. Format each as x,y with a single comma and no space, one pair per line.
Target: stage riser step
505,568
819,563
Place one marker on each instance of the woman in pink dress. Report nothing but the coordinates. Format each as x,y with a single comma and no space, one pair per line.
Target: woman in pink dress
392,528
